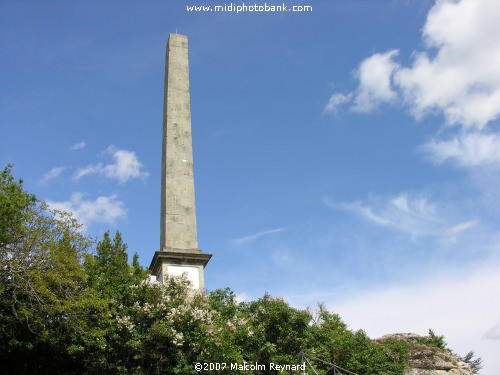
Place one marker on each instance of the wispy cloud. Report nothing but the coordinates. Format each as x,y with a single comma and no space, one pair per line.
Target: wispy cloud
465,150
253,237
337,100
104,209
282,256
50,175
408,213
78,146
461,227
493,333
125,166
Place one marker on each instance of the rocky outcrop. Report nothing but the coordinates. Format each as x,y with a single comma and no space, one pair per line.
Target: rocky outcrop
427,359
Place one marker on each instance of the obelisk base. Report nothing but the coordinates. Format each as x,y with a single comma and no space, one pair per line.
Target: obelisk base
179,261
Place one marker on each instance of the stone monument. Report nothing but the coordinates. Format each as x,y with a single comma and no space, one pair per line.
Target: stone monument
179,251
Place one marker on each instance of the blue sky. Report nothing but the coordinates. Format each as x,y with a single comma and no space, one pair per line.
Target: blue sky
349,155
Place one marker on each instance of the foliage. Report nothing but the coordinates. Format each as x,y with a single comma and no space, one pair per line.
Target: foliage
71,306
14,207
475,364
332,342
41,279
277,331
434,340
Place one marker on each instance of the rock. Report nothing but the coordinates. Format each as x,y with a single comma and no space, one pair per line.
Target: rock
427,359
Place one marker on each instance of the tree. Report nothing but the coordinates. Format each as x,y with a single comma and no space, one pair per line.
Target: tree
15,204
331,341
279,331
432,339
475,364
109,273
41,280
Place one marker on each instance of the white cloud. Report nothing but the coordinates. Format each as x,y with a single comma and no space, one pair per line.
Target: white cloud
459,302
374,75
461,227
50,175
125,166
466,150
255,236
456,75
101,210
465,75
90,169
78,146
241,297
413,215
494,332
282,257
461,306
336,101
408,213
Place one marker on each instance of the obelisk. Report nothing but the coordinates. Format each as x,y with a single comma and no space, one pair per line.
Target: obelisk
179,251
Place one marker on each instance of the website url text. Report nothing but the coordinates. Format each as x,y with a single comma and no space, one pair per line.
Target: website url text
239,8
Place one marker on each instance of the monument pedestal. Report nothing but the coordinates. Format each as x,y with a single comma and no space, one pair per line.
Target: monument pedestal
175,262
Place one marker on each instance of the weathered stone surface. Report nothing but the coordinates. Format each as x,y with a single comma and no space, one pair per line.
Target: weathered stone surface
429,360
178,208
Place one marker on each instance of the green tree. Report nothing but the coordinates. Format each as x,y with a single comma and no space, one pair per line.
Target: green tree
434,340
15,206
332,342
109,273
279,332
41,281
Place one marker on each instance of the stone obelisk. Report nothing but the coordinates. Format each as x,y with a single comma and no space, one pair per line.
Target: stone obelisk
179,251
